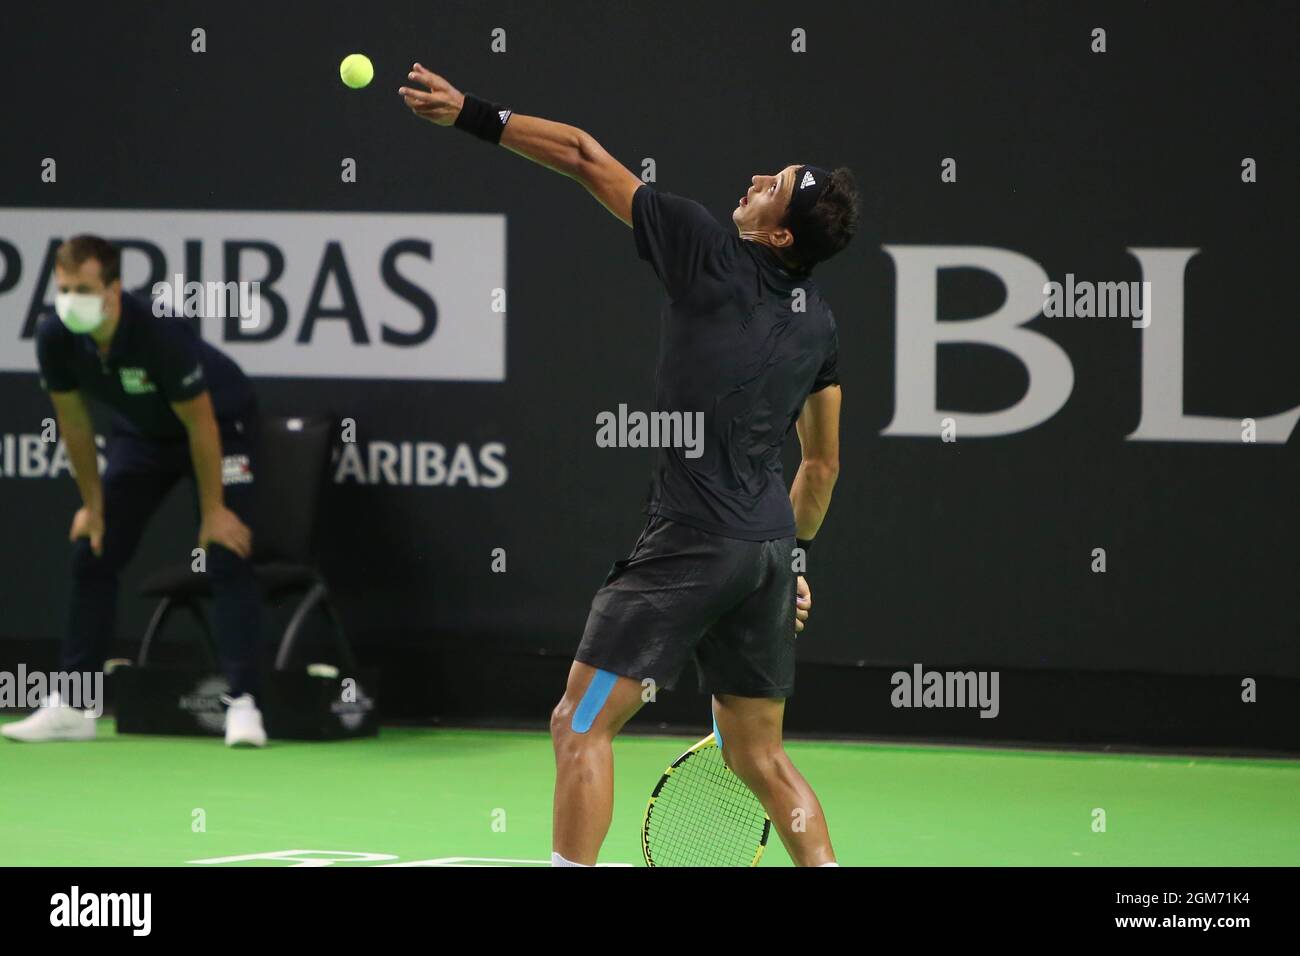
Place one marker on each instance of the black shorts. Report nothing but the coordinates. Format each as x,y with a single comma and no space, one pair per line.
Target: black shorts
685,594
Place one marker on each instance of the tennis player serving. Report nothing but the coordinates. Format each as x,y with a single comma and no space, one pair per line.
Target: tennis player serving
748,341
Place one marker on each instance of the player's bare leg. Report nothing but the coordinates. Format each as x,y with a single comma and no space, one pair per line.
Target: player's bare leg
751,745
593,710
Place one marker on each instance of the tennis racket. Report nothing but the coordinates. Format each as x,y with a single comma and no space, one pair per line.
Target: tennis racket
702,814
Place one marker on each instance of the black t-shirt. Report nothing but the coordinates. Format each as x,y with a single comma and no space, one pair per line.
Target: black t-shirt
734,347
151,362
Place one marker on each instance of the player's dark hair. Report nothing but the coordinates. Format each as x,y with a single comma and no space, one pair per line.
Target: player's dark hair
830,224
78,249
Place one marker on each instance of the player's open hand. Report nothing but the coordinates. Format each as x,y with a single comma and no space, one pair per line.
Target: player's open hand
440,105
802,603
88,523
223,527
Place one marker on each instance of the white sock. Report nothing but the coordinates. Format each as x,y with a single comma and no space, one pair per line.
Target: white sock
828,864
557,860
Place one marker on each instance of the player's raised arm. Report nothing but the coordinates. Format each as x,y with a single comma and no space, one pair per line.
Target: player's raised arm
567,150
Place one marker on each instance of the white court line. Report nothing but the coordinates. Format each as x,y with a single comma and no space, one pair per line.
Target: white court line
318,858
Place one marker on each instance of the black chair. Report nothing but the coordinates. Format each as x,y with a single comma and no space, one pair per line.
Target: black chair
293,460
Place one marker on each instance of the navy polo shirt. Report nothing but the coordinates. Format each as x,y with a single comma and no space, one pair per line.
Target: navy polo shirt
152,361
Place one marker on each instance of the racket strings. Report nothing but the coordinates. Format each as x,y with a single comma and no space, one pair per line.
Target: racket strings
705,816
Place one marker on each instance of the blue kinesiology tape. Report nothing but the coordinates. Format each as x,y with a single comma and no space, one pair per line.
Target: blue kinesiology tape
592,701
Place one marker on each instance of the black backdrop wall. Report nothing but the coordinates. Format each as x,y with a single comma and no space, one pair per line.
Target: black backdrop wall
1122,166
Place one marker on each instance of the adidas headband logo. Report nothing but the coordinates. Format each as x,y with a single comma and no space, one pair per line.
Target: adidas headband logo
807,179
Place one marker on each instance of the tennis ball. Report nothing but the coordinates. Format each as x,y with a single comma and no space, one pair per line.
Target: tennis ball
357,70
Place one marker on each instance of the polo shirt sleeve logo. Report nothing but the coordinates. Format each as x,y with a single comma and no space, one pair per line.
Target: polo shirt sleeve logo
235,470
193,377
135,381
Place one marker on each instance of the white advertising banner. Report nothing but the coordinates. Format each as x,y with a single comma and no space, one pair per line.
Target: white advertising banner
338,295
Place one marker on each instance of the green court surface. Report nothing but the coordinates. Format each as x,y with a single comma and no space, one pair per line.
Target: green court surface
415,795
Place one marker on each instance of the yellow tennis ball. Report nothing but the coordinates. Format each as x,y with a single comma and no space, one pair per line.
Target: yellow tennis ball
357,70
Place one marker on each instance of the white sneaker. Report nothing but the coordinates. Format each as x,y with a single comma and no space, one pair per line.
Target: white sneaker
243,722
53,720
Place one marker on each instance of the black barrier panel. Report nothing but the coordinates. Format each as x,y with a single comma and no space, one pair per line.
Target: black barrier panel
295,705
1071,166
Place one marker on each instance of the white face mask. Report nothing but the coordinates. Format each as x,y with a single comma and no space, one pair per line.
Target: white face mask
80,312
